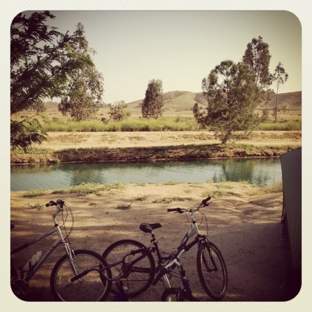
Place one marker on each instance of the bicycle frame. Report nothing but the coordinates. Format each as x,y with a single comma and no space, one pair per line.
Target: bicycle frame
183,247
57,242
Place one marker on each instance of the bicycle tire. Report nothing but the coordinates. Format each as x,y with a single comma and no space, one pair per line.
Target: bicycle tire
91,287
139,275
170,294
173,294
213,281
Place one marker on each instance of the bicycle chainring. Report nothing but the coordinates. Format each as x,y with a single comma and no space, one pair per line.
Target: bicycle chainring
20,288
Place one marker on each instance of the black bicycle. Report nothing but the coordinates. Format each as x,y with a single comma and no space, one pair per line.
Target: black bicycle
133,263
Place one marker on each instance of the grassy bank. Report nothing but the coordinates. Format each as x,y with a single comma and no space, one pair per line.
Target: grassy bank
215,190
140,124
148,154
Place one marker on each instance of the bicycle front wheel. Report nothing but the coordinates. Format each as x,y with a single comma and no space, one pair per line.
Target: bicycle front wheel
91,287
137,271
174,294
212,270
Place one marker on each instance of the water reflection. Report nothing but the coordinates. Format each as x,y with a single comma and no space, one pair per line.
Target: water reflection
259,171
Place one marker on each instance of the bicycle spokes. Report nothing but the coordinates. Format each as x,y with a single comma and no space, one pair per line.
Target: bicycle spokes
210,256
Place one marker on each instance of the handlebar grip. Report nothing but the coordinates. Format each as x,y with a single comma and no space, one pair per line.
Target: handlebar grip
51,203
204,202
172,209
179,210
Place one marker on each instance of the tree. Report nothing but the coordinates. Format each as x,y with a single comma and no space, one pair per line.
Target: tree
232,95
152,105
42,62
117,111
24,133
257,57
85,91
280,76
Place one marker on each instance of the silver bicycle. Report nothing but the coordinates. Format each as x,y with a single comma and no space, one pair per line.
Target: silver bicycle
91,287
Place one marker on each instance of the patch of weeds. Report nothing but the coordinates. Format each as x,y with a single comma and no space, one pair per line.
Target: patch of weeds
141,198
84,189
115,186
33,193
217,194
168,200
171,183
269,189
141,184
124,207
37,206
248,149
33,150
234,194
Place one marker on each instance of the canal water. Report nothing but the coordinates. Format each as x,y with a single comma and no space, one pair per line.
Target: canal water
261,172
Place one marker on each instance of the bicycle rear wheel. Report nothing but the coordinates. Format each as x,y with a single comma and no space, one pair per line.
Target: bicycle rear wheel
212,270
91,287
138,270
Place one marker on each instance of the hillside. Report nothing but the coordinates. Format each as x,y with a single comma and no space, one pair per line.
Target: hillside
182,102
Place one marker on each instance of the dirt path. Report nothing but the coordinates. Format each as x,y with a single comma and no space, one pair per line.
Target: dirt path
247,231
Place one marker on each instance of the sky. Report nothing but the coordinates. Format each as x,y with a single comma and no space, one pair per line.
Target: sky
180,47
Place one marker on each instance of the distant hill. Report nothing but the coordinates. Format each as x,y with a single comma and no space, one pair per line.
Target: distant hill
182,102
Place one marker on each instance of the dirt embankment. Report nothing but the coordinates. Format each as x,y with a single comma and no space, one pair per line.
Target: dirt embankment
155,146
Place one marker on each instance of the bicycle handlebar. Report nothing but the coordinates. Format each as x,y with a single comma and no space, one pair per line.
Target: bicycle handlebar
205,201
59,202
181,210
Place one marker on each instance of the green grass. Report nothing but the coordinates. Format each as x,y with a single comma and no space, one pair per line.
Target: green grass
287,126
245,189
131,124
142,124
33,150
269,189
84,189
33,193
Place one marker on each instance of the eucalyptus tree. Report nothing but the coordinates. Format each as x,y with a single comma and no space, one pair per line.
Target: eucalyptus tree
42,62
85,88
152,105
257,57
117,111
232,95
280,76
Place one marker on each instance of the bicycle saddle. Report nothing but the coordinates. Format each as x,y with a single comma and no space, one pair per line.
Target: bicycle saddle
149,227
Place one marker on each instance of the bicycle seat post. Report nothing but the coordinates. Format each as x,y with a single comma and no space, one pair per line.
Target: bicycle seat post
154,242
